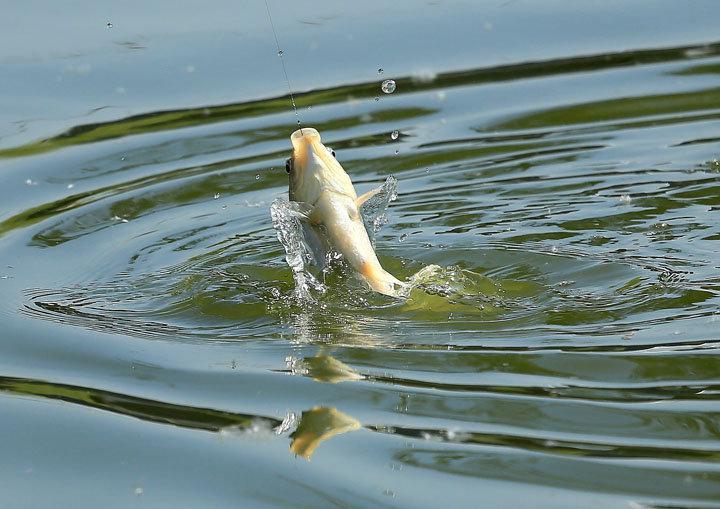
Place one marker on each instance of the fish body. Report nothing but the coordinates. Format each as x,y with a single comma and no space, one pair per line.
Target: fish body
320,184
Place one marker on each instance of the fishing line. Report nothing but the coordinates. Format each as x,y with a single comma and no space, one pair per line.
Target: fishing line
282,61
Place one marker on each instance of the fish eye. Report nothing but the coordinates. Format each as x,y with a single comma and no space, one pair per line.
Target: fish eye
288,165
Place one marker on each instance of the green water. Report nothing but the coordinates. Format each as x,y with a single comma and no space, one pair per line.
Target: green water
558,159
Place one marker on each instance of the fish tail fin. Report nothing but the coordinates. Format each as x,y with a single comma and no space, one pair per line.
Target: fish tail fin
383,282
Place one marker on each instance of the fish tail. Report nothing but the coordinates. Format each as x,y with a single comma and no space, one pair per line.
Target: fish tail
383,282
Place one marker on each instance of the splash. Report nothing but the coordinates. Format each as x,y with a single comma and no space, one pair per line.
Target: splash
286,219
374,211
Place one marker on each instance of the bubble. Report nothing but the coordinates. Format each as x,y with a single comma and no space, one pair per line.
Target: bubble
139,491
403,237
377,99
216,196
109,24
122,158
395,135
397,152
257,176
380,70
280,53
70,186
388,86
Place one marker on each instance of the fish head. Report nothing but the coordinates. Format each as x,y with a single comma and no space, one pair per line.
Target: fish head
313,169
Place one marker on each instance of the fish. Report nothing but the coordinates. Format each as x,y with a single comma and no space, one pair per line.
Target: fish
317,425
331,208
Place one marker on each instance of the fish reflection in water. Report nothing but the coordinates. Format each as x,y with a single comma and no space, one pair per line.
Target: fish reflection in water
315,426
324,368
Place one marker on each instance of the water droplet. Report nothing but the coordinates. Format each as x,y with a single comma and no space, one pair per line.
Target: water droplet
397,152
427,170
138,491
109,24
380,70
30,182
70,186
216,196
403,237
280,53
257,176
388,86
395,135
122,158
377,99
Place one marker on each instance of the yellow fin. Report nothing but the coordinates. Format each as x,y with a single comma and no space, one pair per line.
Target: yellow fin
366,196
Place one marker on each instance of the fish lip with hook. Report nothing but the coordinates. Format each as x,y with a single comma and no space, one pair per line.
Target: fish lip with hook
331,208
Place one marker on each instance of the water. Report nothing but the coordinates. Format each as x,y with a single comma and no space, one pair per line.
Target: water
558,163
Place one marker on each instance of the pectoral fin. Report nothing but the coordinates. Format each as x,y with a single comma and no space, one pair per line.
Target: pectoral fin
306,212
366,196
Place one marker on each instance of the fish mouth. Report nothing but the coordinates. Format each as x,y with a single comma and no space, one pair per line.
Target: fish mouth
304,141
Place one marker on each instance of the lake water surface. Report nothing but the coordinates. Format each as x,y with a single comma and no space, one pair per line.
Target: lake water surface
558,159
